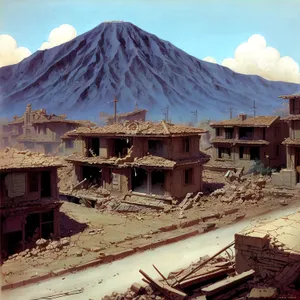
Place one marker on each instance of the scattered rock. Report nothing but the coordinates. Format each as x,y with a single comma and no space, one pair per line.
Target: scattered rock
42,243
283,202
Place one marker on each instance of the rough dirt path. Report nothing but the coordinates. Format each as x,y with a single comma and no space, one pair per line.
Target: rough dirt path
119,275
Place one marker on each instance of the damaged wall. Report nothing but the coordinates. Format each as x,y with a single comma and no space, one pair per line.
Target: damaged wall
178,187
16,186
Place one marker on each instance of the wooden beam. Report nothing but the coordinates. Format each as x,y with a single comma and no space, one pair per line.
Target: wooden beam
169,292
204,263
227,283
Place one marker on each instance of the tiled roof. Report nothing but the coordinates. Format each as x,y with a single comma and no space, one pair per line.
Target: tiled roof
15,159
222,140
220,164
291,118
136,128
145,161
59,120
293,96
289,141
131,113
35,139
259,121
252,142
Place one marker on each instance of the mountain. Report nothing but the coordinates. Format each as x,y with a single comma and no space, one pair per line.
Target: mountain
119,59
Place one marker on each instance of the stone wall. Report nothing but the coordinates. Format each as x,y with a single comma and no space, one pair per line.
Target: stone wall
271,250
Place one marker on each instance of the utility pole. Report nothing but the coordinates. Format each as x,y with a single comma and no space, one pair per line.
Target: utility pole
166,113
230,113
254,108
195,113
115,108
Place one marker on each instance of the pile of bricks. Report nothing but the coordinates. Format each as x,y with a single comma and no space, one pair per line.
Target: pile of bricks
250,189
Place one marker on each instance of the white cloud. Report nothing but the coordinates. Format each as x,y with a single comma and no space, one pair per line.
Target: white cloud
210,59
10,53
59,35
255,57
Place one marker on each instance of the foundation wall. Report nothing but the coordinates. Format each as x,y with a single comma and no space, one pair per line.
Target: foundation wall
285,178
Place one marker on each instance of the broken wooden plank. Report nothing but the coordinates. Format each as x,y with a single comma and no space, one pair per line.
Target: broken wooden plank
202,278
205,262
227,283
162,276
169,292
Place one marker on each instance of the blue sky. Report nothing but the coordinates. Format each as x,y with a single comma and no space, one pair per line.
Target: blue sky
201,28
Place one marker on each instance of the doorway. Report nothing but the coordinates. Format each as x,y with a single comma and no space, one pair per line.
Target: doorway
254,153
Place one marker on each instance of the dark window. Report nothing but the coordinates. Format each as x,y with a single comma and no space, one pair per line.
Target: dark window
228,133
188,176
48,216
33,181
186,145
246,133
46,184
44,129
264,133
277,150
254,153
224,153
69,144
218,132
242,151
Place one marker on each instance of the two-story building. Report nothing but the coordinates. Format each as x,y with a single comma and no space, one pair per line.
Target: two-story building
142,157
29,206
40,132
239,141
290,176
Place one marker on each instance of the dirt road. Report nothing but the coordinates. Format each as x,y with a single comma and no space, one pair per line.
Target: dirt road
119,275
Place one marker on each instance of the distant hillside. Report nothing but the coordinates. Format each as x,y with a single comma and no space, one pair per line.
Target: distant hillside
81,78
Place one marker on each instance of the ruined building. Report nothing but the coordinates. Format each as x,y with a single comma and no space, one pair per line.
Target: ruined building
142,157
240,141
38,131
290,177
29,205
136,115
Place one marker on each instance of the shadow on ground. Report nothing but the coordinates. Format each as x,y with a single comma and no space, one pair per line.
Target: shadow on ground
69,226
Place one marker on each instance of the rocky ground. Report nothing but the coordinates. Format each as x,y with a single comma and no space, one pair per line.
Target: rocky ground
89,233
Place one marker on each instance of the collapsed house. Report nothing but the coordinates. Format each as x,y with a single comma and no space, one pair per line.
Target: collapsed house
29,206
38,131
290,177
240,141
142,158
136,115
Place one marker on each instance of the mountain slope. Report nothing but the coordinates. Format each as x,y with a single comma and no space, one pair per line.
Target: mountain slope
82,76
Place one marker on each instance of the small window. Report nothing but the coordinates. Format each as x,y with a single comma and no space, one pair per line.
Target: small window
242,151
69,144
186,145
218,132
188,176
277,150
44,129
33,182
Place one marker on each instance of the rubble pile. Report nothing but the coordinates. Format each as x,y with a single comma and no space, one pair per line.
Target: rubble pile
11,158
241,190
65,177
43,248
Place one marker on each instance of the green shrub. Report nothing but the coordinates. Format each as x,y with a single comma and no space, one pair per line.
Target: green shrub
259,168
